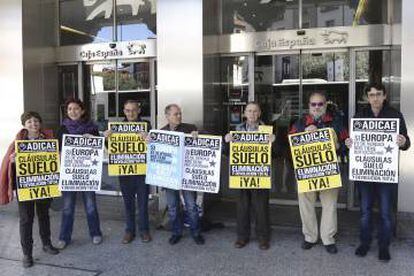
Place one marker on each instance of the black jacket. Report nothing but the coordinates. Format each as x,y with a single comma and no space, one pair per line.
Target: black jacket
387,112
183,127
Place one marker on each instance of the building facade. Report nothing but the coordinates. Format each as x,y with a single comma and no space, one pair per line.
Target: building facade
211,57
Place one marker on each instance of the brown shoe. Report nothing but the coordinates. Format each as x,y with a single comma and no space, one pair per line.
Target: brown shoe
241,243
128,237
146,237
264,245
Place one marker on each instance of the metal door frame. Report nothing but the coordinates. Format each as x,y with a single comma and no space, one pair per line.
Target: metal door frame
351,89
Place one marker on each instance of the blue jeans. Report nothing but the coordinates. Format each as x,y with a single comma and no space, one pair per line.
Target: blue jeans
68,214
134,187
369,191
175,212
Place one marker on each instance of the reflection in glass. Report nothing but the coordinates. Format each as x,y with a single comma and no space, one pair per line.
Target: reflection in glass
133,76
375,66
332,13
256,16
102,77
277,92
136,19
85,21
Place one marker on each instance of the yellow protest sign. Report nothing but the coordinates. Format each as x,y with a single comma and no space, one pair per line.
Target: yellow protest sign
37,169
265,128
127,149
315,161
250,160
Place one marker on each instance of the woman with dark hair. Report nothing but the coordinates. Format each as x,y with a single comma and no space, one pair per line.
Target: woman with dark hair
32,130
77,122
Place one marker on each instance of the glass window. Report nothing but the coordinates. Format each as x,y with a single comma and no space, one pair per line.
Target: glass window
317,13
277,92
255,16
135,19
133,76
85,21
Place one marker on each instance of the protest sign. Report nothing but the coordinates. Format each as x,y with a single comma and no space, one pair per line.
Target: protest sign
81,162
250,160
315,161
37,169
127,149
202,162
374,153
165,159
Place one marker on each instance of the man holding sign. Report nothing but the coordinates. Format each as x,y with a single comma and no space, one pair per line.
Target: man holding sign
319,118
127,152
174,118
379,109
247,177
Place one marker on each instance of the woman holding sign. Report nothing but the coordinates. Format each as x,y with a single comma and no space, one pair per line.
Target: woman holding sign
317,118
76,122
31,122
383,191
258,199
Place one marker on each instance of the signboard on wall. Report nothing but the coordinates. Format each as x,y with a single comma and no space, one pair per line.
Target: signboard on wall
108,51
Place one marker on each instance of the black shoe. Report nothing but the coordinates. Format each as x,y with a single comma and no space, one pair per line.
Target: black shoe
174,239
27,261
331,248
199,239
384,254
362,250
50,249
308,245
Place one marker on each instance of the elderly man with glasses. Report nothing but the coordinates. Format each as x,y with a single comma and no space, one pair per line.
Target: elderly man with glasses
318,117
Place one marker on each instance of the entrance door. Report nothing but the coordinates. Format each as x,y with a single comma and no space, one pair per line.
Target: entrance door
283,83
107,86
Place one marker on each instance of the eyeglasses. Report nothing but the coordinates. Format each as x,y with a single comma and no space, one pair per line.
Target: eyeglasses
318,104
375,95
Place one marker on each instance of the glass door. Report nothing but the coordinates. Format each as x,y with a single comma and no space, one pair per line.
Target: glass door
68,83
328,71
277,90
107,86
283,83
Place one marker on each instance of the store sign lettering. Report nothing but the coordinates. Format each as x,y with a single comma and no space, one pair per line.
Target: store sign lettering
130,50
334,37
286,43
312,39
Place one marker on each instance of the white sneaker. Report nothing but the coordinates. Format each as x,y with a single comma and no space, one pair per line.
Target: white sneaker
97,240
61,245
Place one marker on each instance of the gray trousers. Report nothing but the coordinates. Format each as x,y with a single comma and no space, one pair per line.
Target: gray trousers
328,225
258,200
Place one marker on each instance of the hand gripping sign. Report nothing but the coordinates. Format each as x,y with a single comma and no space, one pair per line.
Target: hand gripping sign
250,160
37,169
127,149
81,161
374,154
315,161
